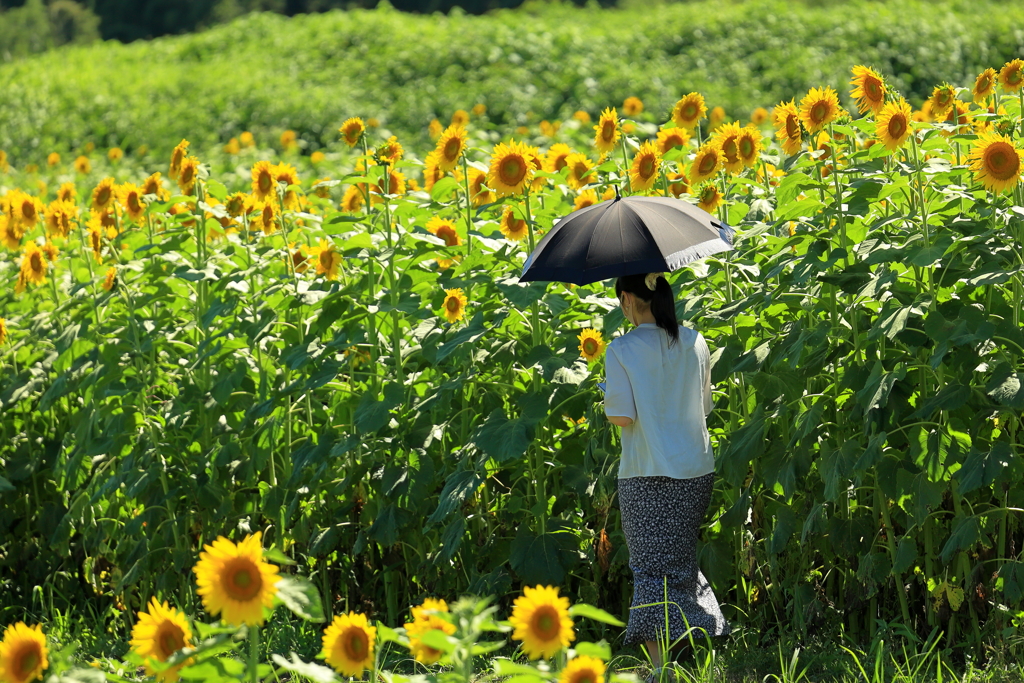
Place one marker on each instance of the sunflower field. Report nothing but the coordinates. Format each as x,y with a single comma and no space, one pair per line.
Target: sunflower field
329,357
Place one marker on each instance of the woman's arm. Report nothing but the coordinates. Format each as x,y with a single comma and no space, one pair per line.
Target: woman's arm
620,421
619,406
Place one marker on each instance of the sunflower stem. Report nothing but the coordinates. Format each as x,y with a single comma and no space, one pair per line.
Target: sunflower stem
254,653
469,206
625,165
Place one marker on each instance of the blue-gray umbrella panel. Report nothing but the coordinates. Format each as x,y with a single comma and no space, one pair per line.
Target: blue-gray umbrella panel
626,236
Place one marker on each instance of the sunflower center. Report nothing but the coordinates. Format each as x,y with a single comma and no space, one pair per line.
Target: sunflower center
326,259
1001,161
585,676
265,182
708,195
133,202
590,346
243,580
1015,77
647,167
28,210
356,644
897,126
453,304
792,128
873,89
171,639
707,164
818,112
746,147
513,169
730,150
689,111
36,262
546,624
560,162
448,234
27,660
268,214
451,150
186,174
608,131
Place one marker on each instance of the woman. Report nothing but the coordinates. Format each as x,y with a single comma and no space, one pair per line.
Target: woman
659,392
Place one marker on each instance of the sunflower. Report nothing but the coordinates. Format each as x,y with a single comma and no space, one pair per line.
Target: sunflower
348,644
591,346
581,116
10,233
775,174
50,251
352,130
289,140
678,184
23,653
431,171
555,160
266,216
300,263
996,162
959,116
354,198
187,174
549,129
585,199
868,89
786,119
460,118
3,162
580,171
606,132
106,221
235,204
82,165
24,210
511,226
818,108
390,151
434,129
246,139
726,138
759,116
154,186
942,98
511,168
670,138
395,185
115,154
445,229
984,85
424,620
96,241
450,147
108,284
177,156
287,174
749,145
33,264
104,195
689,110
643,172
454,304
327,260
1011,76
583,669
67,192
710,198
706,163
632,106
536,160
478,191
892,127
52,159
541,621
263,183
163,630
3,338
234,581
232,146
130,196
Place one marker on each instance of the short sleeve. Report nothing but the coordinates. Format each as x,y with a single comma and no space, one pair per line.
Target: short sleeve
618,396
705,364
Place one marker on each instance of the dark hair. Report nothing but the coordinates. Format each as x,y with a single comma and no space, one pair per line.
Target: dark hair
661,300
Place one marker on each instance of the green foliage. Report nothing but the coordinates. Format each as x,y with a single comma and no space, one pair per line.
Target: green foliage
37,27
309,73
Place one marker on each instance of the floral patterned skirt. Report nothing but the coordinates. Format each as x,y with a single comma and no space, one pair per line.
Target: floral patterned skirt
661,518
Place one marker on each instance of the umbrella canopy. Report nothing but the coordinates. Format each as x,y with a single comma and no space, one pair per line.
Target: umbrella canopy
626,236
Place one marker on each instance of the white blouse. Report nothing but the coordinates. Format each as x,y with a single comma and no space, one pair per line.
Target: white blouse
666,390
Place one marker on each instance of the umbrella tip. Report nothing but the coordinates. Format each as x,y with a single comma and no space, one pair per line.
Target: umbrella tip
617,195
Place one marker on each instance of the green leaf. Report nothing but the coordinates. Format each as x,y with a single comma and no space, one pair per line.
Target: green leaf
300,596
314,672
595,613
602,650
214,669
906,554
79,675
1006,387
536,559
275,554
457,488
966,532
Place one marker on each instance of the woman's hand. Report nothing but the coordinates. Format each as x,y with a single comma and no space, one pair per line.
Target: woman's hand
620,421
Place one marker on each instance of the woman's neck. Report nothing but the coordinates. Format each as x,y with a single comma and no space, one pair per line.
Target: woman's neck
645,317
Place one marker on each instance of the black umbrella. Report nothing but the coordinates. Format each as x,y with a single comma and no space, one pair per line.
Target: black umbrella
626,236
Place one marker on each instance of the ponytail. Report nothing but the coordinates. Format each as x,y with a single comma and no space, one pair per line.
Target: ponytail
661,300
